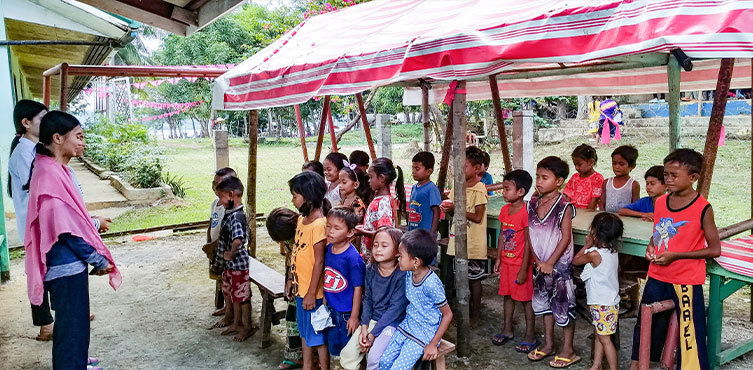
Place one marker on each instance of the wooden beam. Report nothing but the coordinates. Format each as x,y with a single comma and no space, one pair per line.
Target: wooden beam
46,91
446,146
322,122
331,127
365,123
673,98
63,87
715,125
138,71
460,221
185,16
214,9
425,114
138,14
301,132
253,136
500,123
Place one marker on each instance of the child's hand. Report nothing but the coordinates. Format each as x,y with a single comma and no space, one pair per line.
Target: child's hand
497,266
447,206
589,240
363,338
522,276
228,255
309,303
665,258
104,223
648,217
650,255
352,324
359,229
545,268
289,290
104,271
430,352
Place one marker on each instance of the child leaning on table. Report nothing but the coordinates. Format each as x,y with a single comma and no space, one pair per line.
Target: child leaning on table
655,187
685,235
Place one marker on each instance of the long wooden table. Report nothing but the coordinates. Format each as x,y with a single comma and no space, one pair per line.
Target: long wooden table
723,283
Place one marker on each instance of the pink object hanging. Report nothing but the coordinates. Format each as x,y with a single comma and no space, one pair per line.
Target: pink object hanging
721,137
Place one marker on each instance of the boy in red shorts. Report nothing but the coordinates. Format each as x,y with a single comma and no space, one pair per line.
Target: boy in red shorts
514,259
685,235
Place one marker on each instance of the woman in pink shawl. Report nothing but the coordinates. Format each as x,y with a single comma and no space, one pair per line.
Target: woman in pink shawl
61,240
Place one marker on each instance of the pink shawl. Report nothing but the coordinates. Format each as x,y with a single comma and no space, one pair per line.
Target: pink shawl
55,207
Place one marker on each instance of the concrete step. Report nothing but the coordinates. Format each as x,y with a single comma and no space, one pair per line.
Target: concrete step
98,194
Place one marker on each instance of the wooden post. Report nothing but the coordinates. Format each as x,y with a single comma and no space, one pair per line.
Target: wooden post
446,146
253,136
425,113
459,220
322,122
64,87
673,98
331,129
301,132
715,125
46,91
500,123
365,123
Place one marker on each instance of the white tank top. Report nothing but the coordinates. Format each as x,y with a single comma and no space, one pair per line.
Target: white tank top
618,198
602,283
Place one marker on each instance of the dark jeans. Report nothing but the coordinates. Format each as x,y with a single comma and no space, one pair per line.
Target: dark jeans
69,297
41,315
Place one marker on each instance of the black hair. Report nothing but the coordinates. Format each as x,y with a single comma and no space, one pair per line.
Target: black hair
521,178
555,164
383,166
360,158
586,152
281,224
655,171
314,166
24,109
54,122
346,214
311,186
606,229
337,159
689,158
394,233
364,190
628,152
474,155
487,159
425,158
224,171
231,183
421,244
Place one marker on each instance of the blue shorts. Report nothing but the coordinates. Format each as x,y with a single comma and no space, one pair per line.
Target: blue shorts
337,336
303,319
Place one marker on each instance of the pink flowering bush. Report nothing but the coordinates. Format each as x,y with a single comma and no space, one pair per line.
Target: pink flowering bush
316,7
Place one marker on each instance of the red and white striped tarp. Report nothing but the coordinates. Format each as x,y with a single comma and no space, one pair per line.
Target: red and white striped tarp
737,255
388,41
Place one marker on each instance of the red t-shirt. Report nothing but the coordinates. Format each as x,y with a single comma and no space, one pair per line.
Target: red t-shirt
513,234
679,230
581,190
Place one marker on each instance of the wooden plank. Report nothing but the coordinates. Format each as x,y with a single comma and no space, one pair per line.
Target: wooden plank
253,136
500,123
673,98
213,10
365,123
715,125
138,14
267,279
735,352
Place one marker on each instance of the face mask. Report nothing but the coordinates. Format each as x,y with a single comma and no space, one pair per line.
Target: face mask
230,204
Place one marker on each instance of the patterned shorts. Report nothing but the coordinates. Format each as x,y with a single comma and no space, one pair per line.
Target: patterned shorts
604,318
235,284
476,269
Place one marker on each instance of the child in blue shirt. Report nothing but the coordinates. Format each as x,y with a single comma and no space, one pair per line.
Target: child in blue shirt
423,210
486,177
655,187
344,272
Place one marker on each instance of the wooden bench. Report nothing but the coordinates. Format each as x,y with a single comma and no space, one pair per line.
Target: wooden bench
272,286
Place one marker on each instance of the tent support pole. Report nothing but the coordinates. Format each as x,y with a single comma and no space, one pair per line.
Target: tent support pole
64,87
715,125
425,115
459,220
331,126
301,132
365,123
446,146
673,98
500,122
322,122
253,136
46,83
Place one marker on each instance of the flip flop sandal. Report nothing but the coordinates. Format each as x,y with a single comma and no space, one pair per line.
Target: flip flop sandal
44,338
92,361
289,365
563,362
526,347
537,355
501,339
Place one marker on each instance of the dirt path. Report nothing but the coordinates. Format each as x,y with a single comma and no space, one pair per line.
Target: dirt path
158,318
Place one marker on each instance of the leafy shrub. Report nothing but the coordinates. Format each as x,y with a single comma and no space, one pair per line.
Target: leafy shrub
177,184
142,167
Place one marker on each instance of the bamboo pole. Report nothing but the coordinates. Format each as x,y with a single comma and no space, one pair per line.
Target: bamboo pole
253,134
365,123
425,113
64,87
46,81
301,132
322,122
331,126
500,123
446,146
459,220
673,98
715,125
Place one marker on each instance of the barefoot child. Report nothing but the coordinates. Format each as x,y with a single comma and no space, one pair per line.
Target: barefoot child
550,237
343,278
380,212
584,187
620,190
425,198
307,261
599,256
685,235
213,237
514,260
655,187
333,163
384,303
232,245
428,315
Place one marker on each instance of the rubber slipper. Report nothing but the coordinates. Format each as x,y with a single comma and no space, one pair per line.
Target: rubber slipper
537,355
501,339
289,365
563,362
526,347
92,361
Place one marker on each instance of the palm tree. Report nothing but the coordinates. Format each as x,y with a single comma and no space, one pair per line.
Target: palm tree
137,52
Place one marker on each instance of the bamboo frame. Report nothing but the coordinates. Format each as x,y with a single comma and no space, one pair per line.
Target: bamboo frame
253,137
425,116
446,146
301,132
715,125
500,123
64,87
322,122
331,126
365,123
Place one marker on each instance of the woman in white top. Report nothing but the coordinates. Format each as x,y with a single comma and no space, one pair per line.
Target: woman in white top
599,256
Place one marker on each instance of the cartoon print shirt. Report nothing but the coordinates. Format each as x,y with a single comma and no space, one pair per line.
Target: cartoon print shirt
679,230
422,199
342,274
302,268
513,234
215,219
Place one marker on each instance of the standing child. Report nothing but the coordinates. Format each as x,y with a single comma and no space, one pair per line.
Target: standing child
655,187
213,238
550,237
475,208
380,212
620,190
307,262
360,159
354,190
599,256
314,166
428,315
423,209
333,163
685,235
384,303
343,278
584,187
514,259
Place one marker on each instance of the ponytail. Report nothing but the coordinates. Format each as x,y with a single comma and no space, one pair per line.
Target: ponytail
24,109
13,145
400,192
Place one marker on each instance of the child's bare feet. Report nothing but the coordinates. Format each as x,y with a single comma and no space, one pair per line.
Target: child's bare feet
595,367
232,329
225,321
45,333
243,334
219,312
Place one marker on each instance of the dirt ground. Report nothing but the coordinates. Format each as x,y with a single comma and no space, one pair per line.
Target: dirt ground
158,318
